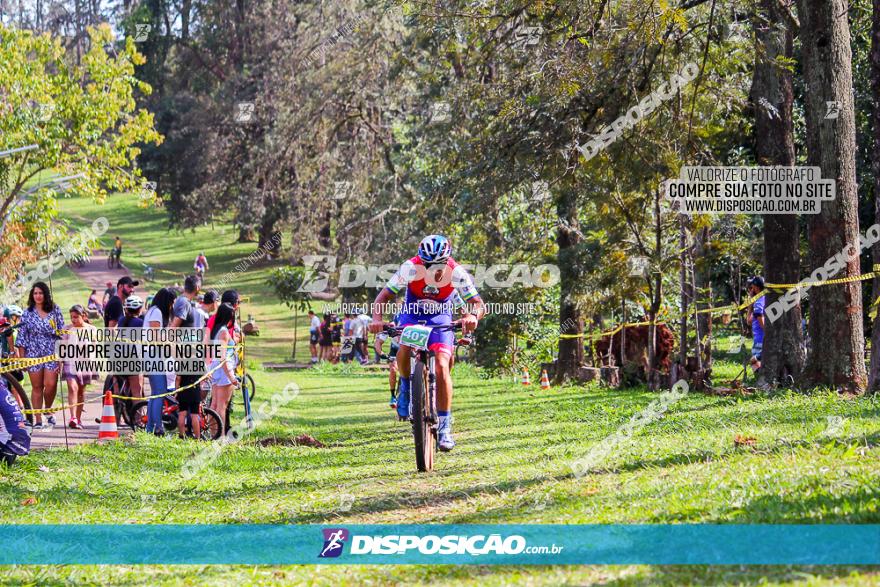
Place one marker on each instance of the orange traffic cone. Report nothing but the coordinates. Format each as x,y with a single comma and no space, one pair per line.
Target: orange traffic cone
525,376
545,380
108,419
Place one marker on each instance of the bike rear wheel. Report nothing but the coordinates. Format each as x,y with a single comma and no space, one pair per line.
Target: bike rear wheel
24,402
423,420
212,425
139,416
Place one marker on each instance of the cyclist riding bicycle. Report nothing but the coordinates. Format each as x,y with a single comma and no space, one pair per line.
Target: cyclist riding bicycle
431,279
201,264
117,249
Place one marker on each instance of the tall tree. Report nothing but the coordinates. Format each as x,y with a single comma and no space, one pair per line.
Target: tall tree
772,98
875,167
835,310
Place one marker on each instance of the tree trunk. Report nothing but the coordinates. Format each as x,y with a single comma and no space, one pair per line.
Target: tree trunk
875,167
571,350
185,10
656,290
683,291
703,300
837,354
245,234
772,98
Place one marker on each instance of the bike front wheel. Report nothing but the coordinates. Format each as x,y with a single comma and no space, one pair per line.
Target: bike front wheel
421,408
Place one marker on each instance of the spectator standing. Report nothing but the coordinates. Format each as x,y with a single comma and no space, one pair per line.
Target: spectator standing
77,382
133,307
756,319
108,293
114,311
36,338
223,379
208,305
189,395
364,341
325,338
159,316
314,335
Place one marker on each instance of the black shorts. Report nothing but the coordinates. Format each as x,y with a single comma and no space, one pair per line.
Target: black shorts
190,398
313,338
394,349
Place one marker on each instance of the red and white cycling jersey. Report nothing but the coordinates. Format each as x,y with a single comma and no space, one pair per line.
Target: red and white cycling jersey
429,288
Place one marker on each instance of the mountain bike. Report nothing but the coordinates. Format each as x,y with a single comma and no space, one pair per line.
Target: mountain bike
114,259
212,425
149,272
123,408
423,389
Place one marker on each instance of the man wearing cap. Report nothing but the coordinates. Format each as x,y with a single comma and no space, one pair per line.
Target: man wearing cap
115,310
756,319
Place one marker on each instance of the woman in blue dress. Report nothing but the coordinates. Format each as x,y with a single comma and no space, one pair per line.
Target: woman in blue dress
36,338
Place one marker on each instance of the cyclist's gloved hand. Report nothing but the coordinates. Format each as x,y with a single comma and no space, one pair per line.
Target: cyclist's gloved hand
468,323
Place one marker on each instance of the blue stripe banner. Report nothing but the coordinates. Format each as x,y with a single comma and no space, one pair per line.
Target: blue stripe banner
520,544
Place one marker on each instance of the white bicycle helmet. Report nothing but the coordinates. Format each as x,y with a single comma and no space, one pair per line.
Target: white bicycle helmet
435,248
13,310
134,303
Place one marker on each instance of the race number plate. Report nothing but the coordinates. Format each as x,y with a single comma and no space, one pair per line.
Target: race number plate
415,337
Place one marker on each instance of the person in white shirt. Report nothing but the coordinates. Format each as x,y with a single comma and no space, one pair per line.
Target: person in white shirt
358,328
314,331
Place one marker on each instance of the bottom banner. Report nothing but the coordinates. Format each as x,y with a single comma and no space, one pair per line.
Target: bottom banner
518,544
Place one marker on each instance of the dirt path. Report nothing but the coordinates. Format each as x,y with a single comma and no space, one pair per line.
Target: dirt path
95,274
55,437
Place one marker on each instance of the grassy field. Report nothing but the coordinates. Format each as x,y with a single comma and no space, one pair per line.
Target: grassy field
512,463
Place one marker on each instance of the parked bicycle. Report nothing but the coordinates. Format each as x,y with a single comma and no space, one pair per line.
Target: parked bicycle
212,425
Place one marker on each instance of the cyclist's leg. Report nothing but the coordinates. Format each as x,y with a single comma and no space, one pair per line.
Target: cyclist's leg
36,378
442,343
50,388
403,368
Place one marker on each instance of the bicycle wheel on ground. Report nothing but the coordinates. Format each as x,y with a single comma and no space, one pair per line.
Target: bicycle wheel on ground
19,393
212,425
139,416
424,431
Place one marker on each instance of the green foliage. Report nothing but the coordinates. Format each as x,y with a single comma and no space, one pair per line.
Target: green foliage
82,117
287,283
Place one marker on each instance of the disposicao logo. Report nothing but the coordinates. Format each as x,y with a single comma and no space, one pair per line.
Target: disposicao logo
334,541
